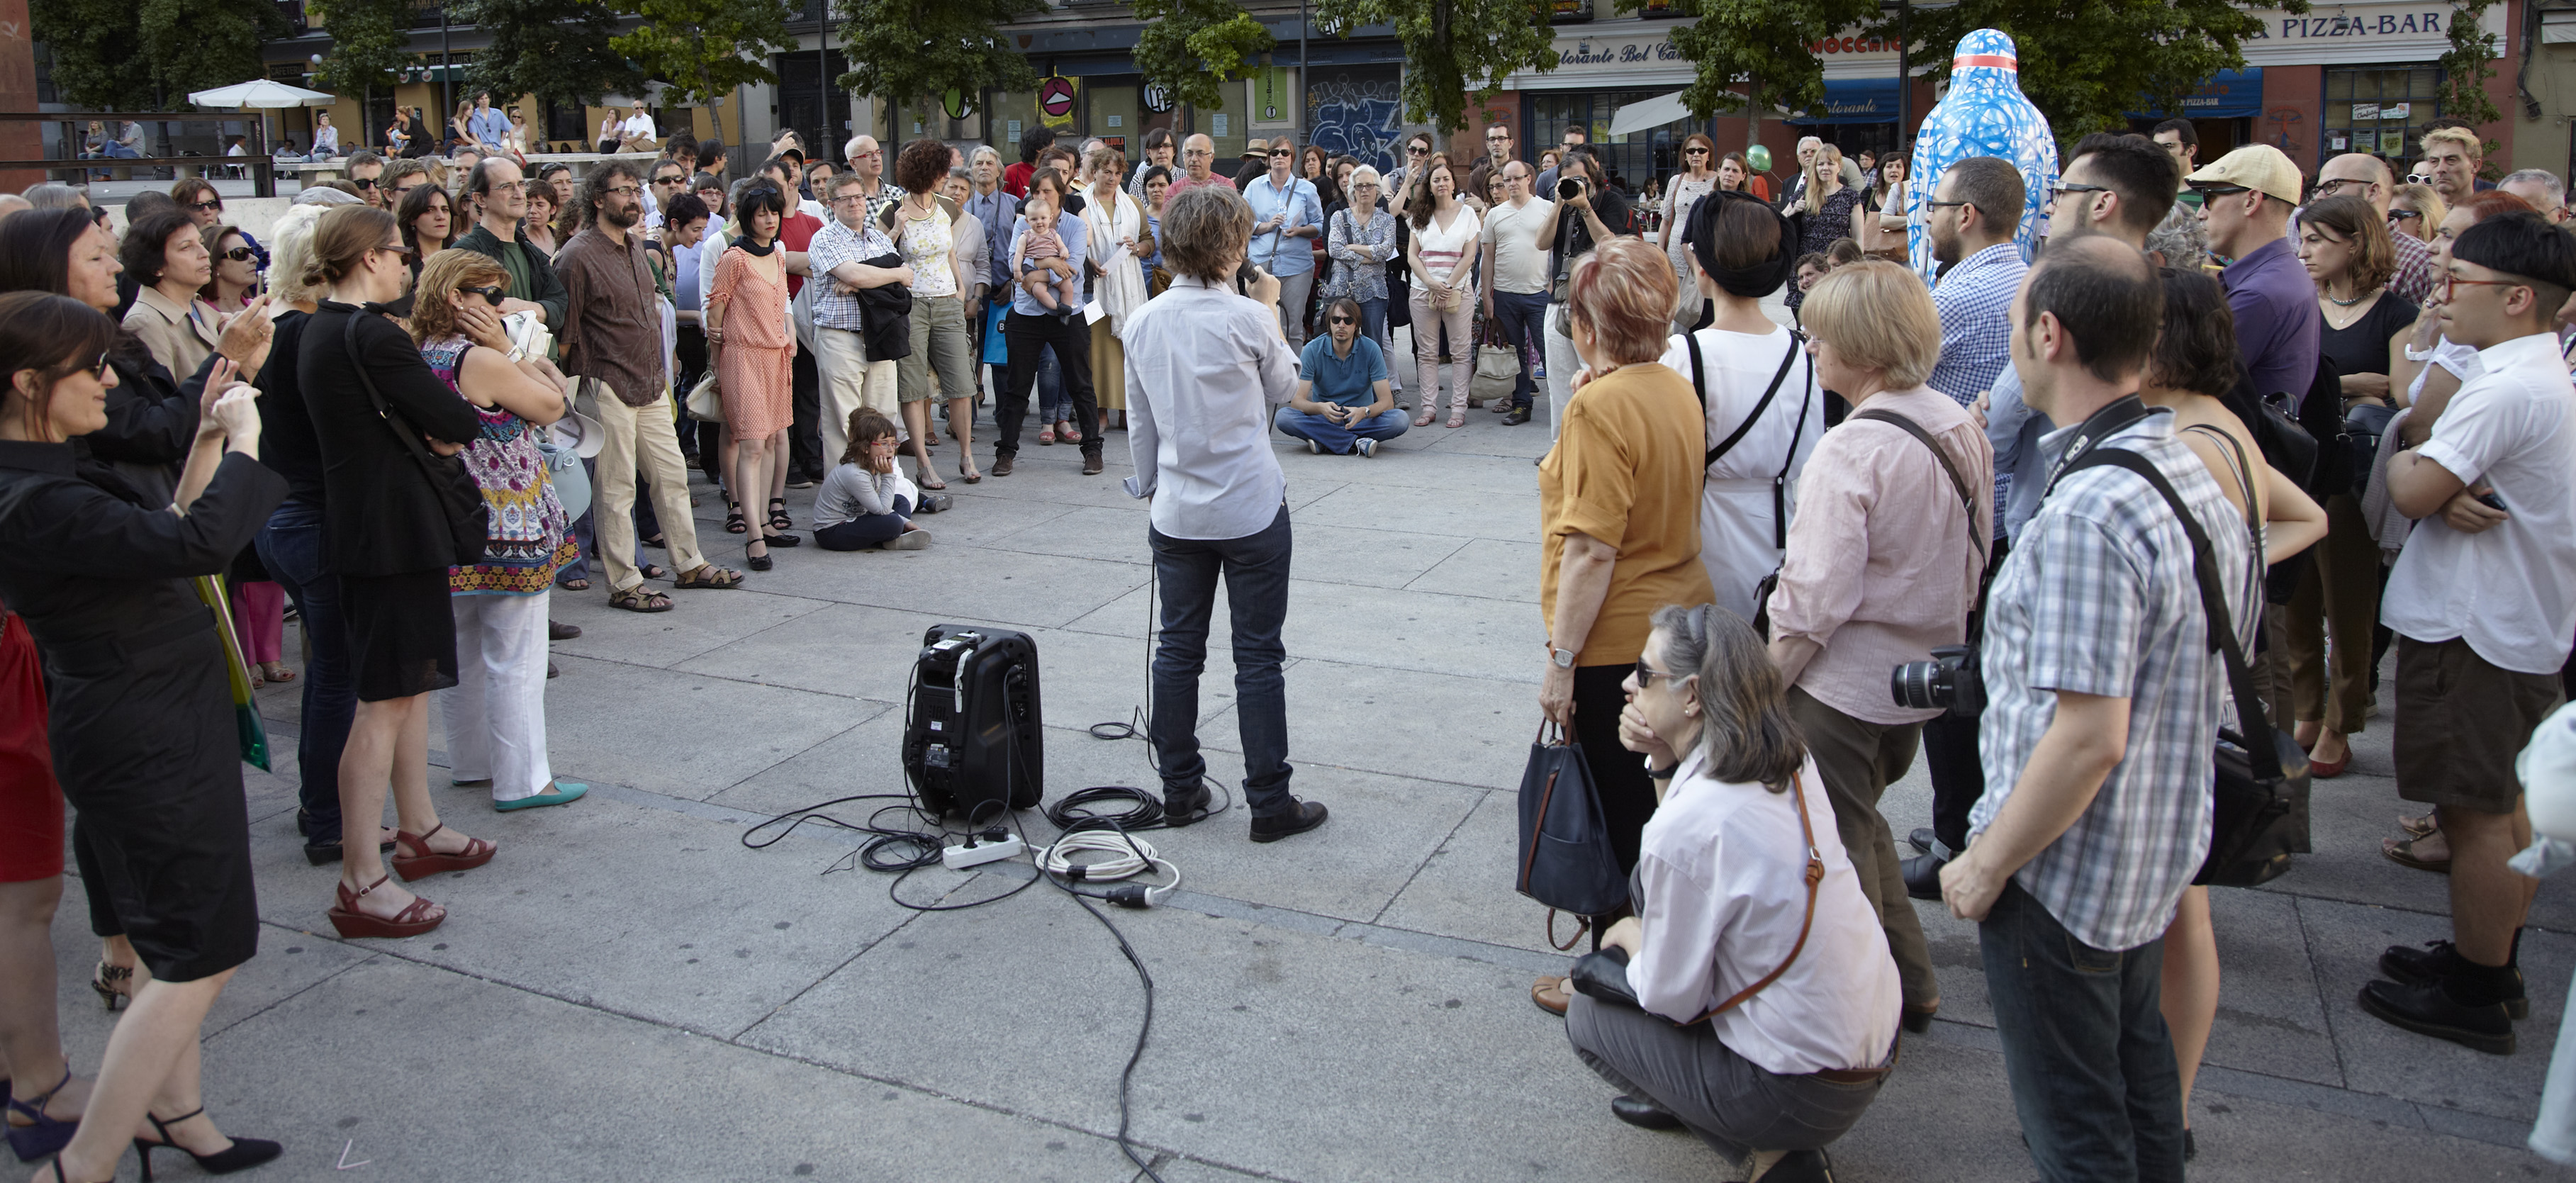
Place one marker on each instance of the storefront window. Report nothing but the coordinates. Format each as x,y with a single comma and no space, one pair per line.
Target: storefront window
2382,110
1631,159
1012,113
1226,126
1111,111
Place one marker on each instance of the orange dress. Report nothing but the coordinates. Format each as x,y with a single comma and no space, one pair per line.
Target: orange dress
756,371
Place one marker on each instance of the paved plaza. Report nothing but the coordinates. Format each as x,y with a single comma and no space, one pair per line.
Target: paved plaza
628,993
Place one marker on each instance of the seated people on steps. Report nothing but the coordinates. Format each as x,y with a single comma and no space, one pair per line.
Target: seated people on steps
1343,404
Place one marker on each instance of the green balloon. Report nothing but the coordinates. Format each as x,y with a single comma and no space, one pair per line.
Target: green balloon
1759,157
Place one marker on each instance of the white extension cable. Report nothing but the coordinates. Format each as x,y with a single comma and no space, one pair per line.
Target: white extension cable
1123,857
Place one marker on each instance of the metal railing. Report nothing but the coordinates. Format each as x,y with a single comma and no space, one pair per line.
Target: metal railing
261,169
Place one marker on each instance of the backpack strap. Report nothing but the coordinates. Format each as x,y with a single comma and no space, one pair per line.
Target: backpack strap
1797,341
1780,480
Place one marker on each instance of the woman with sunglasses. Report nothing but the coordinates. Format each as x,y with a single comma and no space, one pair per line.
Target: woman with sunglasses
142,734
236,269
1417,156
2417,210
496,713
166,256
1697,179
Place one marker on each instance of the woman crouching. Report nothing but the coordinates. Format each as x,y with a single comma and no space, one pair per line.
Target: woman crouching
1769,1000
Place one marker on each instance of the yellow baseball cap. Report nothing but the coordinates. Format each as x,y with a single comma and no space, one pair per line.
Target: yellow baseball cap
2259,167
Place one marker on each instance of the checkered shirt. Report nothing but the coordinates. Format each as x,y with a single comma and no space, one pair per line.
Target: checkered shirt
2098,597
2415,275
1975,301
835,245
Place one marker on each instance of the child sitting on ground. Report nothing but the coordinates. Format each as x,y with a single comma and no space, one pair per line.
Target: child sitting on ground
1042,262
866,502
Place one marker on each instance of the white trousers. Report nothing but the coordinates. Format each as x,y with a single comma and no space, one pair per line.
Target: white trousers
851,381
496,713
1562,363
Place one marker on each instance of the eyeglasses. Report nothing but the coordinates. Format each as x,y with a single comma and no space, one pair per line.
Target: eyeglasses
1499,138
1943,204
241,254
99,371
1199,152
207,207
491,295
624,190
1416,150
2059,193
2400,215
1646,674
363,182
1343,320
2327,188
674,179
847,198
2453,281
2207,191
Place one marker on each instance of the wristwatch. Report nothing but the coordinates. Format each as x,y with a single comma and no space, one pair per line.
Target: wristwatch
1564,658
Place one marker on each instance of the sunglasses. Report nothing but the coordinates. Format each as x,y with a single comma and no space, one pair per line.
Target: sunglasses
2207,191
1344,320
2400,215
1646,674
241,254
1694,151
207,207
363,182
491,295
98,371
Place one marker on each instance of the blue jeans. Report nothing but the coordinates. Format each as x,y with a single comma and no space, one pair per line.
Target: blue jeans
1255,568
1519,316
2085,1047
292,548
1335,437
1051,400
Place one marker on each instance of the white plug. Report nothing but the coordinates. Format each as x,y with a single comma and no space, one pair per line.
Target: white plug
961,857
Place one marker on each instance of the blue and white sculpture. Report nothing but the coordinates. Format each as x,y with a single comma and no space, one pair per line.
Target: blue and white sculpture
1984,114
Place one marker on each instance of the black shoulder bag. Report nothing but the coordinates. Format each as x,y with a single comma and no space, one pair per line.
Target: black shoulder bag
2259,799
460,499
1567,862
1779,480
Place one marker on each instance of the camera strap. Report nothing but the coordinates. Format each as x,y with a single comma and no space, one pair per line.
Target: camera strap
1967,500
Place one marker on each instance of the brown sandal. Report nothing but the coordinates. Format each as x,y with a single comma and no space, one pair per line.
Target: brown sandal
418,917
640,598
709,577
2402,852
414,859
2419,827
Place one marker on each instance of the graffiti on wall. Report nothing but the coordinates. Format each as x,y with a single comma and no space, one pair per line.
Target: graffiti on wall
1358,113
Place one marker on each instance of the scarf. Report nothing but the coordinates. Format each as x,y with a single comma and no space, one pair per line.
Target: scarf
755,250
1121,287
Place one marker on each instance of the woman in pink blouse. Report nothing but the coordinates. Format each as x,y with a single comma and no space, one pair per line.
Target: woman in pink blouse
1882,566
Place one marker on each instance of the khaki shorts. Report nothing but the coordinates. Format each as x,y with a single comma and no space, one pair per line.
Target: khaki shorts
2460,723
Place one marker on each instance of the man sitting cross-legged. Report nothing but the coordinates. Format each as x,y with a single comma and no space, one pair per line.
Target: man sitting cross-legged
1343,404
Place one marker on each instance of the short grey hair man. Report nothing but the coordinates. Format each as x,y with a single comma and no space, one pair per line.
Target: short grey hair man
2541,188
981,151
56,195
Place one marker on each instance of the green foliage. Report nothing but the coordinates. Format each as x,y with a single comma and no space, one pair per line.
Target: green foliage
2087,63
1192,47
2465,70
201,44
1452,47
1763,42
915,51
95,45
370,39
706,48
555,50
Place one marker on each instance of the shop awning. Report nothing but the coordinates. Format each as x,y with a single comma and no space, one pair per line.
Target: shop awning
1854,100
2229,94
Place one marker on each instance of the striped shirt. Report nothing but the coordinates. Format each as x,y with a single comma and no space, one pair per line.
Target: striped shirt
2098,596
1975,302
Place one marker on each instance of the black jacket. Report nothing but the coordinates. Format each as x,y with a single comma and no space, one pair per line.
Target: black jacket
381,515
887,314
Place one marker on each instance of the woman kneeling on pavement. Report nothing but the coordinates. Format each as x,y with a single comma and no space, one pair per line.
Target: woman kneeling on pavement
1782,987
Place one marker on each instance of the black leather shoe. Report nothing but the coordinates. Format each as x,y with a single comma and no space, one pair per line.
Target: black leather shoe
2426,1008
561,632
1800,1166
1182,811
1518,416
1306,816
2411,966
1922,839
1922,874
1643,1114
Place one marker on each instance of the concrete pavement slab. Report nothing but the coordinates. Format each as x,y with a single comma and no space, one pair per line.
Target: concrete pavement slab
698,621
1488,569
1465,888
691,735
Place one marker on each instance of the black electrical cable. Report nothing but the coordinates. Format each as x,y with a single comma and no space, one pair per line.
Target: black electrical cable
1127,1075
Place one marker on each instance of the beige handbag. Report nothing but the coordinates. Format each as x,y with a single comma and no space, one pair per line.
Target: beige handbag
705,404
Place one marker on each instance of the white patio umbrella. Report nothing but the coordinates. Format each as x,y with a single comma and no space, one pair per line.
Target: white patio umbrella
261,94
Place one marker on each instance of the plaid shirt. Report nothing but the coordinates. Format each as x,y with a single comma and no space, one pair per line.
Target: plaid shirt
2415,275
2098,597
1975,301
835,308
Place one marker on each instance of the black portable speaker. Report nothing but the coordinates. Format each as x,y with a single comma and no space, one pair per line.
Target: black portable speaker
972,742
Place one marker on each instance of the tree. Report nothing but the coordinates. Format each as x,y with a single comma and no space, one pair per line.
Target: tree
1743,39
2466,68
1192,47
201,44
706,48
370,39
554,50
913,51
1452,46
94,45
2087,63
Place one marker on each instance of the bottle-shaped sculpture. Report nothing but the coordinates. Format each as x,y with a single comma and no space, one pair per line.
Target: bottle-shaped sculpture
1984,114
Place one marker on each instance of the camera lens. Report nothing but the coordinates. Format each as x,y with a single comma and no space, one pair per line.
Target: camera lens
1924,685
1567,189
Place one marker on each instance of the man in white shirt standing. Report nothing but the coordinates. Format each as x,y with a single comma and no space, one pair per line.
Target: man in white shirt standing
1205,367
2483,601
1515,276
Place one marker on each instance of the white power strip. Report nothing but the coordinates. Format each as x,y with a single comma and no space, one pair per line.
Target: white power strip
961,856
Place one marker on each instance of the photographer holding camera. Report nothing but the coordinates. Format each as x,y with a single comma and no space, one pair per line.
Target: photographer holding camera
1882,566
1586,214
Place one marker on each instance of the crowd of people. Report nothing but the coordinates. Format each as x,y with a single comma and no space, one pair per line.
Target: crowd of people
442,389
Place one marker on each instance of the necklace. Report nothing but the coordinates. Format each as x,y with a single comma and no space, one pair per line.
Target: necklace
2349,303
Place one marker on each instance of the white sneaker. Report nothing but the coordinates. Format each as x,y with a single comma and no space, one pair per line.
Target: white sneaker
1314,447
908,540
1364,447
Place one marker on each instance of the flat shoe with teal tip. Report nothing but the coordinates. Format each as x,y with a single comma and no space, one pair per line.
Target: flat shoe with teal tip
564,792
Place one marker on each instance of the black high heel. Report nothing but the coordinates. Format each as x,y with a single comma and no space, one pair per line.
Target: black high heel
778,519
60,1177
242,1155
760,562
112,982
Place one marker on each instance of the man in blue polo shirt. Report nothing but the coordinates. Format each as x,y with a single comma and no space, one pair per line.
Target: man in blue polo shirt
1343,404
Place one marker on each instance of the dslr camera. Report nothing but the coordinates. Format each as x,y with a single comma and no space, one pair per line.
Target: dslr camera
1568,188
1949,681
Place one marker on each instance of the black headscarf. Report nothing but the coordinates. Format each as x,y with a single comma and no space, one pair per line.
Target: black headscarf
1751,283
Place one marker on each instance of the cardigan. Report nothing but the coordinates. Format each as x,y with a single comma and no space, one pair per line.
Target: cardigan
381,515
